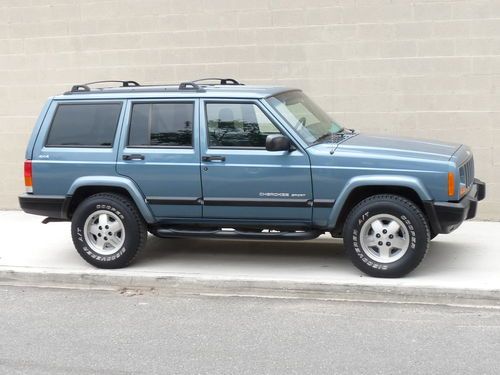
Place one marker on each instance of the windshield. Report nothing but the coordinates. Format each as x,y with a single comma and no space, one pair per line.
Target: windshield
309,121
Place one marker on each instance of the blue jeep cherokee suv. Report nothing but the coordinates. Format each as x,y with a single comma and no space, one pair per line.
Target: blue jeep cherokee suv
215,158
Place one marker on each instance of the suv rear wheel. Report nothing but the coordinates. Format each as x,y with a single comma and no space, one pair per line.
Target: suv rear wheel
108,231
386,236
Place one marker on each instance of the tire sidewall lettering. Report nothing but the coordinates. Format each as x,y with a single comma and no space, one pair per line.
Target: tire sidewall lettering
109,208
80,235
362,218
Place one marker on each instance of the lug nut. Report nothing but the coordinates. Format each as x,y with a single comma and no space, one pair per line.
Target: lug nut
384,231
391,236
388,244
380,243
378,235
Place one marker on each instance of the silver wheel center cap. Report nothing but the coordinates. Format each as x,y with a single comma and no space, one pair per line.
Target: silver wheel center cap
104,232
384,238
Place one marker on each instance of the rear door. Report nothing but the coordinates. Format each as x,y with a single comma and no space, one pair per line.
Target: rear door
242,180
160,152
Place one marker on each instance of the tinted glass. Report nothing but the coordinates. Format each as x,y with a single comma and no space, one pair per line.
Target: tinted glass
309,120
161,124
84,125
238,125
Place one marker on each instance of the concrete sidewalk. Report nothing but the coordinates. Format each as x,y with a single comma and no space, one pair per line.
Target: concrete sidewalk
464,264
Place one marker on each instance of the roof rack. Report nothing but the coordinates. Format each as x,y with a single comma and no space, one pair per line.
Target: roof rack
136,87
85,86
223,81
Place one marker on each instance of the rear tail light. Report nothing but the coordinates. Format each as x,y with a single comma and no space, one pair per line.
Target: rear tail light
28,176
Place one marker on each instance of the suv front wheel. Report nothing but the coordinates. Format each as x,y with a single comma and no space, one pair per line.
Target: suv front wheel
107,230
386,236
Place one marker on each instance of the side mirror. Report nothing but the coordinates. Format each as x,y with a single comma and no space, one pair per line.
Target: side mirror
278,142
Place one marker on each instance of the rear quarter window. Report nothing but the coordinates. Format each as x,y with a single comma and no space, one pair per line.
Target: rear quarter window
84,125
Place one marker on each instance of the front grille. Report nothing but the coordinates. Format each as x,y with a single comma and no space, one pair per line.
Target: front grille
467,172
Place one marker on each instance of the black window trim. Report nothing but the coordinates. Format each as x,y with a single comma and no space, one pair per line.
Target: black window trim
156,101
100,102
236,101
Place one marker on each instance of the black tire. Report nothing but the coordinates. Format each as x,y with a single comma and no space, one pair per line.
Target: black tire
134,230
408,214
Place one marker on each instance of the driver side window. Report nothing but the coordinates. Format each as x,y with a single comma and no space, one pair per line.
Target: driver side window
237,125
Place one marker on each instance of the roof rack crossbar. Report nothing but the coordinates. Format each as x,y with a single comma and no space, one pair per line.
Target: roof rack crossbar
85,86
223,81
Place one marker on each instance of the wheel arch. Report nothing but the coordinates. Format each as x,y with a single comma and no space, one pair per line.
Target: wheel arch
84,187
359,188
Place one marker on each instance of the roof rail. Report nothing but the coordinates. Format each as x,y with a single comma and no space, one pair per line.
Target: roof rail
85,86
133,86
223,81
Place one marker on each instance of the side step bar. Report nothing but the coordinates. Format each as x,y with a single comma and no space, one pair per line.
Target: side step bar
235,234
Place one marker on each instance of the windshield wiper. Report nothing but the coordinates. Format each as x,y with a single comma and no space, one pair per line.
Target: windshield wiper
333,136
327,136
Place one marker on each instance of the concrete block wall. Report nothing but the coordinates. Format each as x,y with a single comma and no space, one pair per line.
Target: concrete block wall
421,68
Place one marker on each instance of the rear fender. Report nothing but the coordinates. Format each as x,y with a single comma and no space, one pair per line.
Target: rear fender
120,182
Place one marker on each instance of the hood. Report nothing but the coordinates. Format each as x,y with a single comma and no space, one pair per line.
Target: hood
400,147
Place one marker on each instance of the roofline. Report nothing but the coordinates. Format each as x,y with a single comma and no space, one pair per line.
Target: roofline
204,87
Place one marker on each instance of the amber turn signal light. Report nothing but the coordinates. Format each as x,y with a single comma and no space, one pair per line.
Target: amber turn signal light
451,184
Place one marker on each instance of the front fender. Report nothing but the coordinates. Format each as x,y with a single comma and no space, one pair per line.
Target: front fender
375,180
120,182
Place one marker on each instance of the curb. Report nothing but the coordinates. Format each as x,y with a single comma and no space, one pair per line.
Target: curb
193,284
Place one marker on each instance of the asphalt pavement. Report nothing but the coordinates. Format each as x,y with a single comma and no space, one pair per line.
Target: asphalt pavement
464,264
61,331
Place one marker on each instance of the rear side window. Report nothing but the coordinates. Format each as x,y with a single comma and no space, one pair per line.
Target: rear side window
84,125
161,125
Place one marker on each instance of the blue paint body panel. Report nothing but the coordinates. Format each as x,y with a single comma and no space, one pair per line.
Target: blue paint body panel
250,185
56,168
253,174
358,161
164,172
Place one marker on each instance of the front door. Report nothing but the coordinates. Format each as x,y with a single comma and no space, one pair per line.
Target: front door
160,152
241,180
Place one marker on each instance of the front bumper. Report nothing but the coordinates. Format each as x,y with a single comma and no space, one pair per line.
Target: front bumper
445,217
